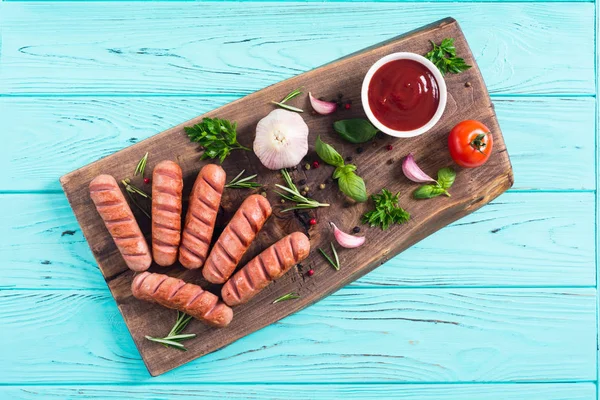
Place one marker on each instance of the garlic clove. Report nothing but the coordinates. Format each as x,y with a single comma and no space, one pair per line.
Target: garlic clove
281,139
320,106
413,172
346,240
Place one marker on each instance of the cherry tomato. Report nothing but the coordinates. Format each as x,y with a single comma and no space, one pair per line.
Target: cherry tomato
470,143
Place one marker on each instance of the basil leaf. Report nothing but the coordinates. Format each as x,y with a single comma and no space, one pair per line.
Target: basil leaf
446,177
428,192
339,171
348,168
353,186
328,153
357,130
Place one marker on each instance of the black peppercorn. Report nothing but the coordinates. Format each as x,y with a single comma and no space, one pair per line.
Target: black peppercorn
302,182
360,150
348,159
356,229
340,95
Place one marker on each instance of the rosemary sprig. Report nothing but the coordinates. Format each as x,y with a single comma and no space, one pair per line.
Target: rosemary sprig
292,194
290,96
131,190
243,183
174,337
285,297
141,166
335,264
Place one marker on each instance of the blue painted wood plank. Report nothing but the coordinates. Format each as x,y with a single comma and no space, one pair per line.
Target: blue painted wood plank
544,391
77,131
353,336
522,239
182,48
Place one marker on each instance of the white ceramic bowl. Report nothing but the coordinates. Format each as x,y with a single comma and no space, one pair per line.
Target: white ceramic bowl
441,86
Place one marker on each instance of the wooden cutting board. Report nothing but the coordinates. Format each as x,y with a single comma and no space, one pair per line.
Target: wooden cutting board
381,168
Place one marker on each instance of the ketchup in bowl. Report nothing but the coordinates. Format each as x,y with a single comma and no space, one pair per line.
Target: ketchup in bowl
403,95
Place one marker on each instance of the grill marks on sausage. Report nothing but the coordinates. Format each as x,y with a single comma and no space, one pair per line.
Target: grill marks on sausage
256,275
185,297
120,222
201,216
167,188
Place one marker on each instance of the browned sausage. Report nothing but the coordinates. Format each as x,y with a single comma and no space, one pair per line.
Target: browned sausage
167,185
201,215
236,238
120,222
185,297
265,268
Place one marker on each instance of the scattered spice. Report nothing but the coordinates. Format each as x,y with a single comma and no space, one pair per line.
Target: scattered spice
306,189
390,161
389,147
307,166
315,164
146,180
310,272
282,201
313,221
360,150
347,106
468,84
349,159
263,194
292,193
322,186
302,182
356,229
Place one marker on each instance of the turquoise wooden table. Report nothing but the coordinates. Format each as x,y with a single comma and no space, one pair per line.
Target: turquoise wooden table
501,305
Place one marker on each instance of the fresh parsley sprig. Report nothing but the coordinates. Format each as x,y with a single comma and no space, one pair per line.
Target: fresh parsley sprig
292,194
243,183
386,212
174,337
445,59
349,182
217,136
446,177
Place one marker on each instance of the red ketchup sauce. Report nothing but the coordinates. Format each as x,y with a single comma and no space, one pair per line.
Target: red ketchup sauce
403,95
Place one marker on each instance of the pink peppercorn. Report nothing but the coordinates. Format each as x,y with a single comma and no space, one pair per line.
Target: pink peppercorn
146,180
310,272
315,164
313,221
389,147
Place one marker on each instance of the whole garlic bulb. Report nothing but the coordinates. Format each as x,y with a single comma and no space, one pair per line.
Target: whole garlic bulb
281,139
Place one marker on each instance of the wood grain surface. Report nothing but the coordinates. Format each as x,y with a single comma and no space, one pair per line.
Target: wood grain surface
427,217
353,336
525,239
183,48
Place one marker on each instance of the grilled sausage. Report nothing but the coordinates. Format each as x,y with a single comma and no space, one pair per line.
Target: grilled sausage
236,238
167,186
120,222
201,215
185,297
265,268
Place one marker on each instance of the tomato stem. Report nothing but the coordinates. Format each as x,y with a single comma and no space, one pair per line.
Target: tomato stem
478,143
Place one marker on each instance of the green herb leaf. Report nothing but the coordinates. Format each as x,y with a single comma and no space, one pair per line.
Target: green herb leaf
141,166
293,194
217,136
175,336
356,130
243,183
428,192
445,59
285,297
328,154
353,186
386,212
446,177
335,264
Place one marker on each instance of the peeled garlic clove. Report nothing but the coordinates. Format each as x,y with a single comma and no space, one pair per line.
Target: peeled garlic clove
346,240
413,172
281,139
320,106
